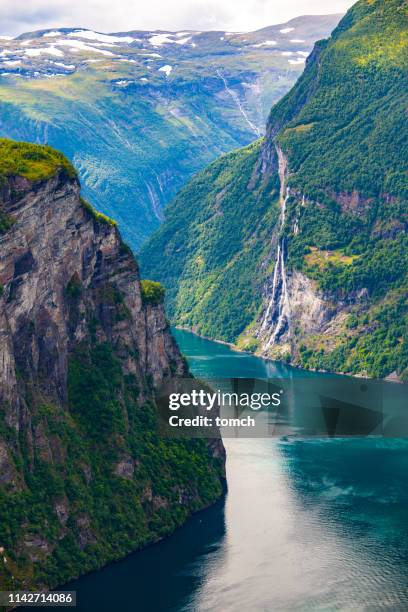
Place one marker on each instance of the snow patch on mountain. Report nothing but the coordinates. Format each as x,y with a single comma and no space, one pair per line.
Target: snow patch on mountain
168,38
167,69
104,38
148,54
36,52
266,43
79,45
67,66
298,60
11,62
160,39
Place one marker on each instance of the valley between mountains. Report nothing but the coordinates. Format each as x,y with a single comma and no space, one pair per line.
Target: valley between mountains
296,246
139,113
85,477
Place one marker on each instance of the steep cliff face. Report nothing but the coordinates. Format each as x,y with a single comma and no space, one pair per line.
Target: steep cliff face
291,300
344,203
297,247
84,477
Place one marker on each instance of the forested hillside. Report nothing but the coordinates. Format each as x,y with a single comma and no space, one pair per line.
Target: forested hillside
297,246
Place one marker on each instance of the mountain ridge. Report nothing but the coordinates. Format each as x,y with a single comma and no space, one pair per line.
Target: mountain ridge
138,114
293,21
315,287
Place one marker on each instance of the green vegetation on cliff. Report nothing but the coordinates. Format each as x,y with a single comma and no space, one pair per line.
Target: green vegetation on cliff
346,148
98,216
120,480
5,222
33,162
85,476
349,136
152,292
206,252
342,129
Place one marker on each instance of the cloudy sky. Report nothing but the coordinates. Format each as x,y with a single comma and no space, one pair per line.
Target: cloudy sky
17,16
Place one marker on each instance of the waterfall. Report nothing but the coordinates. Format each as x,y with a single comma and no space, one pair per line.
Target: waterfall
283,305
271,305
277,314
237,101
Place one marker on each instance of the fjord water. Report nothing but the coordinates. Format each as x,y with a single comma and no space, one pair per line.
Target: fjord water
305,525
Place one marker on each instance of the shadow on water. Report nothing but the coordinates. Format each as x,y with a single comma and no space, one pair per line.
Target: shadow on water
158,578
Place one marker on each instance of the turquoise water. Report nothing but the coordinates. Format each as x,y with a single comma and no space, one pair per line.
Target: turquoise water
306,525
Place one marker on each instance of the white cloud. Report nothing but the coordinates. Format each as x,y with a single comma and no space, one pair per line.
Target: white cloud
127,15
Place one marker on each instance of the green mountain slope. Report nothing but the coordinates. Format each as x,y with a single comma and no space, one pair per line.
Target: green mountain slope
139,113
302,252
85,476
207,251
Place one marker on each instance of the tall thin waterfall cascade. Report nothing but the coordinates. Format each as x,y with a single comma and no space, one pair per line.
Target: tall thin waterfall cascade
276,319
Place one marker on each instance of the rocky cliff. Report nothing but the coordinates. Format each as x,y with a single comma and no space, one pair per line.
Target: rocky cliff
84,477
296,247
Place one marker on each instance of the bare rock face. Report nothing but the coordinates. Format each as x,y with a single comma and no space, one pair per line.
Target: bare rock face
70,287
310,309
310,312
293,306
56,248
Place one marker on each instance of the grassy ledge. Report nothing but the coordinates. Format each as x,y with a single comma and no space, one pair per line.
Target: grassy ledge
152,292
31,161
98,216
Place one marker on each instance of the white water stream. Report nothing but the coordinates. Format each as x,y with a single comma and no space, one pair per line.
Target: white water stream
237,101
277,314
